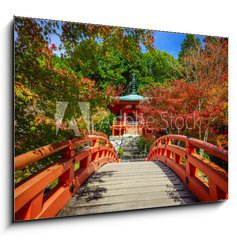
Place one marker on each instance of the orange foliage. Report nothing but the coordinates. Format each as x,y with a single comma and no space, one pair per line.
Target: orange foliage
197,108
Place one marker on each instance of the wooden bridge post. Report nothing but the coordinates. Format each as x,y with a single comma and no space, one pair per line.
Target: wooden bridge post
190,169
67,177
32,209
213,190
167,142
104,152
86,161
96,155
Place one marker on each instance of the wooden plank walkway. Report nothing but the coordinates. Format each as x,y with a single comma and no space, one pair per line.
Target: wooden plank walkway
128,186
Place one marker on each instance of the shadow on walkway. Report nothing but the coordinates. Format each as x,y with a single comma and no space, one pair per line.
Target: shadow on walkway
93,192
178,191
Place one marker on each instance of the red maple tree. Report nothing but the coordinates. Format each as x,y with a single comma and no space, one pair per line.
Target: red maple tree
198,104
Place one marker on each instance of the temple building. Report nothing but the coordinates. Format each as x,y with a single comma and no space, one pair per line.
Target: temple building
129,118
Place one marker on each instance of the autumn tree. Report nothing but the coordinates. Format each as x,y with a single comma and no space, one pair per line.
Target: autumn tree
205,97
172,108
42,80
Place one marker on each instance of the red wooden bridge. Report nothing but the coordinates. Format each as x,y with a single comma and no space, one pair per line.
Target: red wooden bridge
91,178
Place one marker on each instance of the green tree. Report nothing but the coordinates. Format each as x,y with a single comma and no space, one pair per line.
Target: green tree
104,53
189,43
158,67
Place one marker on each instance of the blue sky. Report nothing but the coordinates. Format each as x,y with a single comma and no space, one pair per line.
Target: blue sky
171,42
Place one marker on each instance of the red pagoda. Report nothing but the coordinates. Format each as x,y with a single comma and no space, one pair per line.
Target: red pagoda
129,118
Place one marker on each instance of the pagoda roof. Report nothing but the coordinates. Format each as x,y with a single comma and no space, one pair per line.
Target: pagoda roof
133,96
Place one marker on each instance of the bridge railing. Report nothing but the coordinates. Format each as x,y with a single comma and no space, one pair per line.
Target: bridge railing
205,179
31,201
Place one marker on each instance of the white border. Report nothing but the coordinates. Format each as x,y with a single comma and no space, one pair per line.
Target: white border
213,221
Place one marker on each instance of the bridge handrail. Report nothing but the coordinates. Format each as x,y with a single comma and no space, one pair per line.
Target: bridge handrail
30,199
25,159
186,163
208,147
